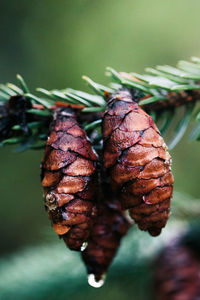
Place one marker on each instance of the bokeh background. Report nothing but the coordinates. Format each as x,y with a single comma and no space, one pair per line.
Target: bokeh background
52,44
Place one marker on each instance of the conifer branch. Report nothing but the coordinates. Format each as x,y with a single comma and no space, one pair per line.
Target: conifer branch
160,92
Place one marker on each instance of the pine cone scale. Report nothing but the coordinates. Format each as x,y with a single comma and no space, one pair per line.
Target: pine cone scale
57,159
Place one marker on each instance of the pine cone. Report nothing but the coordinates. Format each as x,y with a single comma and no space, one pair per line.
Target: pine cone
12,113
110,226
136,158
177,274
69,179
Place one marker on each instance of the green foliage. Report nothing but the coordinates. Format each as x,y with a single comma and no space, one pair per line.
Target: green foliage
156,96
50,271
53,272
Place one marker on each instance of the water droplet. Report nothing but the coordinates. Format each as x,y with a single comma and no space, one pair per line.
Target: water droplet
84,246
132,222
94,283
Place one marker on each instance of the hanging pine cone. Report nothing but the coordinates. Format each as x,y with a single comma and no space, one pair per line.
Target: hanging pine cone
139,165
177,274
69,179
110,226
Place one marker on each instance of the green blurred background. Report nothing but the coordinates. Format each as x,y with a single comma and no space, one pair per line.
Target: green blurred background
52,43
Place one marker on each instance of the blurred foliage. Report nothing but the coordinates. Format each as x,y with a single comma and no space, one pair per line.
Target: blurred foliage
52,43
45,272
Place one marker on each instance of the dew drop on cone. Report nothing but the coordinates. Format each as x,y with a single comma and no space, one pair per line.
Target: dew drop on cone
96,283
84,246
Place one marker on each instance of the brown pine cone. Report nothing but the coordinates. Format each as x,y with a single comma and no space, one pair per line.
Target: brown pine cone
177,274
139,165
110,226
69,179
